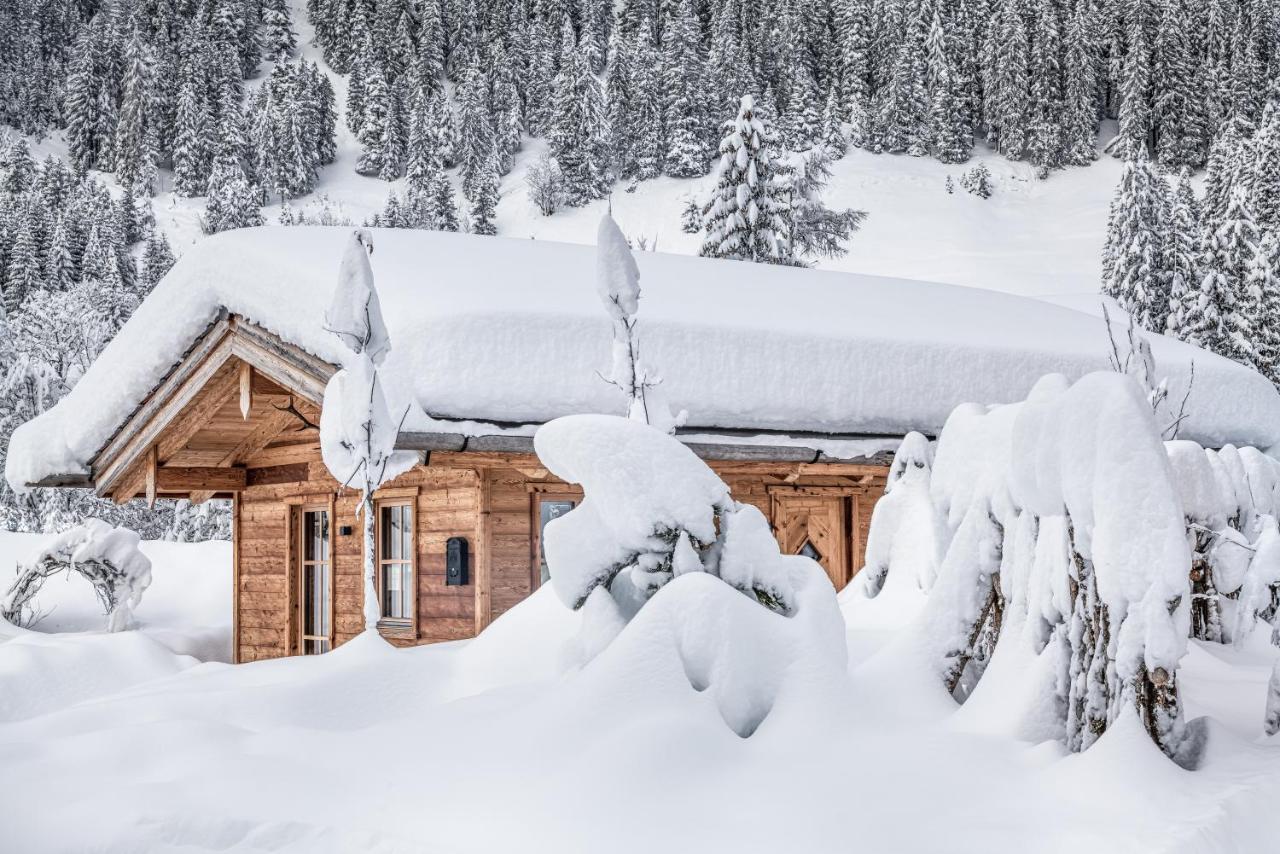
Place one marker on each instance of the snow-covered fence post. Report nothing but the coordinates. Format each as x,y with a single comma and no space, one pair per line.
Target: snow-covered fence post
618,283
108,558
357,432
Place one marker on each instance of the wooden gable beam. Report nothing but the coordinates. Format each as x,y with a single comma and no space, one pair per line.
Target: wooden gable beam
272,425
200,479
246,389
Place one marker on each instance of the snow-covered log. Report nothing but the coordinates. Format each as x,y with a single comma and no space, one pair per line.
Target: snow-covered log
107,557
651,512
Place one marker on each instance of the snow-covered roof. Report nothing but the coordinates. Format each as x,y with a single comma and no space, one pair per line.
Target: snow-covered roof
488,329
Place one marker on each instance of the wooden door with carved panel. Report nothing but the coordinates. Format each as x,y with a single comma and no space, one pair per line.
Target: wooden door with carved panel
816,526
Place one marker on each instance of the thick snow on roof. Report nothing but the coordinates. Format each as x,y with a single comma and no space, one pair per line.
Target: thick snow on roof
492,329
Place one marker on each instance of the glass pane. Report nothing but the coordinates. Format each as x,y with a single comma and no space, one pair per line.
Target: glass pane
323,530
308,595
406,532
547,511
385,522
810,552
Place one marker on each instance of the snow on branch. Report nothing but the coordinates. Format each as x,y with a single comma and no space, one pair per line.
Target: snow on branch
107,557
618,284
357,431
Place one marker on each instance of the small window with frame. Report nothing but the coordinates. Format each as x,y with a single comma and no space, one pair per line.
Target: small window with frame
547,506
395,537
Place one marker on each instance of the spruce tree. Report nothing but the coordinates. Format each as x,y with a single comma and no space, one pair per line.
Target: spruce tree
904,114
157,259
278,38
1044,116
683,82
1264,171
1005,79
645,119
484,196
1135,87
1263,280
1080,119
475,129
1181,263
745,217
1226,314
232,202
1133,255
1177,106
855,29
577,136
191,154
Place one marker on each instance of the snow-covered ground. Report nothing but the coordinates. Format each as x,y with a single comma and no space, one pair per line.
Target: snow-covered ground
66,657
486,746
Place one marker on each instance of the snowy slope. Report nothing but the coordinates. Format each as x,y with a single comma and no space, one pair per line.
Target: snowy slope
1032,237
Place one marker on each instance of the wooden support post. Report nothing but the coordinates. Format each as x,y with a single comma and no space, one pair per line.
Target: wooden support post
246,389
483,555
152,464
202,479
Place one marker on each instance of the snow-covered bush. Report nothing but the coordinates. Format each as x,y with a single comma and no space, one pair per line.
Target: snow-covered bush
108,558
652,511
1060,521
357,430
618,285
546,184
904,527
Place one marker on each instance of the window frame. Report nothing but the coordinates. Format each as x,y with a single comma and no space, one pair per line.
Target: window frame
301,562
397,626
535,541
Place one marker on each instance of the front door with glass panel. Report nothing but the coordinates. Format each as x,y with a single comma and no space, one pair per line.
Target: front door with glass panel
316,581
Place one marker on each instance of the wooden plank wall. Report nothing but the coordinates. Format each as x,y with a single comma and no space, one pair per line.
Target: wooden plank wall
450,501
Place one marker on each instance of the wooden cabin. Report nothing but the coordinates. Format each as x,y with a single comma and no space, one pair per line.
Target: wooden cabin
237,418
214,389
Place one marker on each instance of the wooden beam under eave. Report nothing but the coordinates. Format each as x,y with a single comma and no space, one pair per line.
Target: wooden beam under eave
201,479
246,389
150,467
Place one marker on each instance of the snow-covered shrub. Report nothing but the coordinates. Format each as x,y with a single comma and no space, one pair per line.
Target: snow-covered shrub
1258,594
357,430
618,285
977,181
904,536
1272,724
1060,520
546,184
652,511
108,558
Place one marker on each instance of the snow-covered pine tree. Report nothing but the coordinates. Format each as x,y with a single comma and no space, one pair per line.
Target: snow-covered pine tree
977,181
1227,160
278,37
1181,261
1263,281
484,196
1006,60
1135,88
1224,317
1045,106
232,201
475,129
855,31
683,81
191,152
1080,119
508,123
1264,171
1177,105
133,145
815,230
1132,266
745,217
578,133
833,135
904,113
646,154
157,259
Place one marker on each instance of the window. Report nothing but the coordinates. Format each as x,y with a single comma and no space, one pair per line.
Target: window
548,507
395,561
316,580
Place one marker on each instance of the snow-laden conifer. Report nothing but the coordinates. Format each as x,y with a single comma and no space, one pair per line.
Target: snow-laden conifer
745,217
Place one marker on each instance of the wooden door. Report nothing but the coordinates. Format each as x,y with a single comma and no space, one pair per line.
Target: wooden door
315,582
816,526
